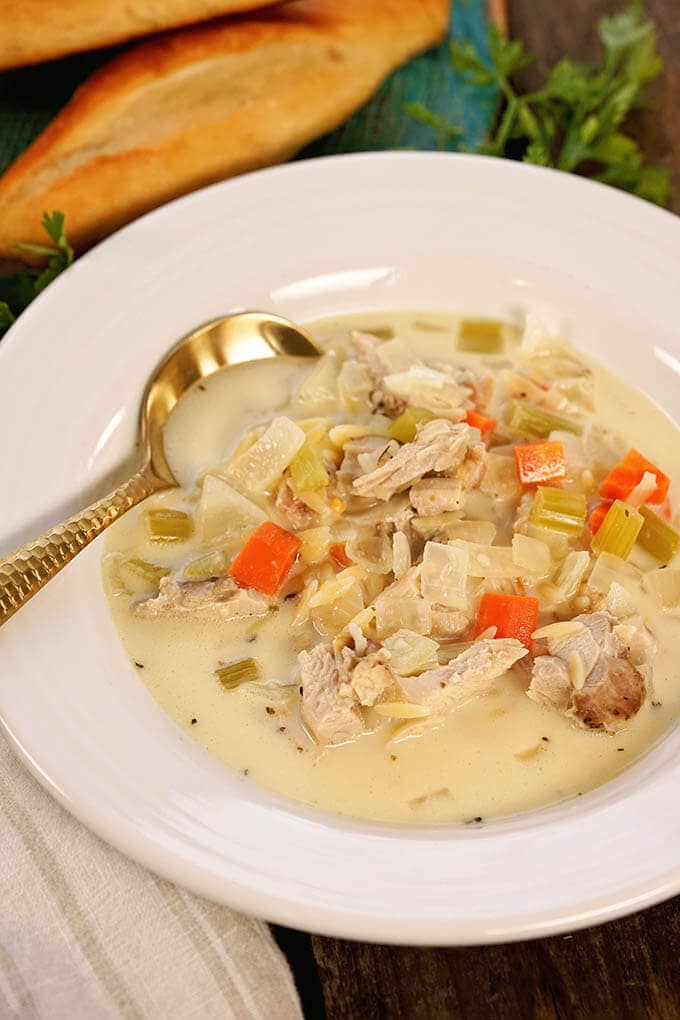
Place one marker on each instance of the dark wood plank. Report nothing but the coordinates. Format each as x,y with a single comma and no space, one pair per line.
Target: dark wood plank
626,969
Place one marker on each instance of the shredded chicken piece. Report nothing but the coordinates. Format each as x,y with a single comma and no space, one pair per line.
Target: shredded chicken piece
550,685
468,676
221,594
440,447
329,708
614,687
381,398
370,679
432,496
353,449
294,513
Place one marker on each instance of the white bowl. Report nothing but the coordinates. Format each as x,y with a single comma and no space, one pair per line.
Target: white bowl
306,240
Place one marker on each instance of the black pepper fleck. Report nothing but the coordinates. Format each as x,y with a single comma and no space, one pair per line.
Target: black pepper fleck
282,729
201,387
302,690
547,739
246,772
474,821
656,704
194,721
139,665
393,757
300,748
269,710
251,638
291,595
620,749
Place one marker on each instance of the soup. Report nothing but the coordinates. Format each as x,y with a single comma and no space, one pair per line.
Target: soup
432,578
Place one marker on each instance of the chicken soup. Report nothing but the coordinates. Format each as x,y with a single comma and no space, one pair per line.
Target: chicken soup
433,578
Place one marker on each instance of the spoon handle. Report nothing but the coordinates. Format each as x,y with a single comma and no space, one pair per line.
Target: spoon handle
25,571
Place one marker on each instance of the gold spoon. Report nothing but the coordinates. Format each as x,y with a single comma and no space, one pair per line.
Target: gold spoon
232,340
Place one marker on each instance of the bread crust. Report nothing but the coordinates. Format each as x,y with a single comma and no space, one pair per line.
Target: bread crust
39,30
198,105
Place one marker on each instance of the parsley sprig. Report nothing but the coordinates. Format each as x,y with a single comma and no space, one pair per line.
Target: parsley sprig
18,289
575,121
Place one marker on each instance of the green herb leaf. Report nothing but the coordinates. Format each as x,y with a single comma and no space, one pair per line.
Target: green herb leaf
6,315
576,120
18,289
443,129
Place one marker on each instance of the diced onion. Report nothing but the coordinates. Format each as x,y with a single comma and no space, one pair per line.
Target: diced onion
411,653
444,575
262,464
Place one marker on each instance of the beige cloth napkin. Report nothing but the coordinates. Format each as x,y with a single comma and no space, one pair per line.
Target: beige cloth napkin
86,934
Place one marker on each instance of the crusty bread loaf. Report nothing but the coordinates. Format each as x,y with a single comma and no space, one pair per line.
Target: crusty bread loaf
198,105
38,30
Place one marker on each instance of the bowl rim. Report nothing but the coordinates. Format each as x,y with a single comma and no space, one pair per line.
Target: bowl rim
286,909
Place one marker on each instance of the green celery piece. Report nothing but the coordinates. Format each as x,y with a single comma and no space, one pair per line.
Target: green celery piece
307,469
619,530
559,510
531,422
212,564
168,525
480,336
405,427
139,576
237,673
657,537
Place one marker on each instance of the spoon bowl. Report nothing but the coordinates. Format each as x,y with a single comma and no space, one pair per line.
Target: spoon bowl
230,340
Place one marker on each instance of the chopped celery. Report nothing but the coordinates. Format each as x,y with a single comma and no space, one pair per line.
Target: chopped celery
481,336
405,427
213,564
657,537
558,510
531,422
168,525
237,673
619,530
139,577
307,469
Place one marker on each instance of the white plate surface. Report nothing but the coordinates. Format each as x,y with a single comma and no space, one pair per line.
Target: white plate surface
307,240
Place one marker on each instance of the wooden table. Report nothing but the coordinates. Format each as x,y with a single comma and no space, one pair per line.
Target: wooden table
625,969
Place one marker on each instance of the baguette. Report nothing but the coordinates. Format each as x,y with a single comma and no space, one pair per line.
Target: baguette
39,30
195,106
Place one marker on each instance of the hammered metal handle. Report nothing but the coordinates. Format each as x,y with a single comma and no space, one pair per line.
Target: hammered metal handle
29,568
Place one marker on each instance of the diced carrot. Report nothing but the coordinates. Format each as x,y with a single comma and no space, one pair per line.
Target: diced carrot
338,554
265,559
480,421
597,516
540,463
513,616
628,473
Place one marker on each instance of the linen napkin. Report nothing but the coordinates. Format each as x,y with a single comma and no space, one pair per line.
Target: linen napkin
86,933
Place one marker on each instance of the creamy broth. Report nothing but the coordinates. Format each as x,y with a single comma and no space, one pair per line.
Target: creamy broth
496,755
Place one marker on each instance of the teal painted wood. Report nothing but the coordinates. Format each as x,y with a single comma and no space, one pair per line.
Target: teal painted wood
429,79
30,97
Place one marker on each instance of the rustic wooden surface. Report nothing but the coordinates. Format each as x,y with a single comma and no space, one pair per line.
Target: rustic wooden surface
625,969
